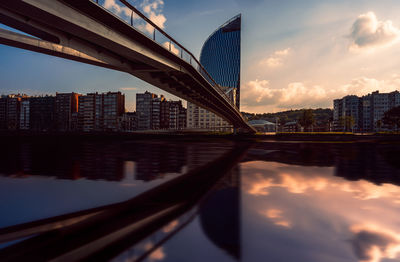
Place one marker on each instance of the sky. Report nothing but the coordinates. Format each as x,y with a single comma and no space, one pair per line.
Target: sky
295,54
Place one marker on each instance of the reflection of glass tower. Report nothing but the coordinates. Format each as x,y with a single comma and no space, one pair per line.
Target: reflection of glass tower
220,56
220,214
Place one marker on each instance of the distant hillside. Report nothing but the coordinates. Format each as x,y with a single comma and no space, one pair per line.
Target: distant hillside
321,115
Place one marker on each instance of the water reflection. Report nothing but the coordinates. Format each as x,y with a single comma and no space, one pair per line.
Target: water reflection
219,214
321,202
45,177
210,231
99,160
301,202
117,225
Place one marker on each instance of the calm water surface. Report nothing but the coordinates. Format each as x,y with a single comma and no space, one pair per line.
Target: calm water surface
277,202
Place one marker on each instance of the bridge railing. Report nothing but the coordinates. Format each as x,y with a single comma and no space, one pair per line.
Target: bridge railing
133,17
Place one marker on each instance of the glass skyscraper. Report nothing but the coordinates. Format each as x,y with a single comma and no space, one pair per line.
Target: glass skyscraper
220,56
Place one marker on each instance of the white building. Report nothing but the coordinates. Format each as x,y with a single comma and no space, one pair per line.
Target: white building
263,125
199,118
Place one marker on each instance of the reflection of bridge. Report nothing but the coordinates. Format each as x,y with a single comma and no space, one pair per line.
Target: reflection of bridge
102,233
83,31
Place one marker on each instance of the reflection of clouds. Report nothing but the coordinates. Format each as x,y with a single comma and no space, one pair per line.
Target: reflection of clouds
293,184
319,208
372,244
157,255
299,183
273,213
365,190
171,226
277,217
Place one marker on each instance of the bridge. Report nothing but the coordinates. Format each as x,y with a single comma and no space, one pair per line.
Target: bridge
84,31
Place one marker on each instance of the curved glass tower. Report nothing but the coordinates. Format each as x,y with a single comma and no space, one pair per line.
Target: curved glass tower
220,55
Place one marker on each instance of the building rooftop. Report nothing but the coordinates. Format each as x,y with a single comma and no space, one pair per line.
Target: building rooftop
260,122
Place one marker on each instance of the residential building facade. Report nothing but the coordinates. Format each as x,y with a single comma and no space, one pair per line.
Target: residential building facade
86,112
177,115
3,112
144,106
24,118
154,112
100,112
365,113
113,104
13,111
128,122
42,113
66,107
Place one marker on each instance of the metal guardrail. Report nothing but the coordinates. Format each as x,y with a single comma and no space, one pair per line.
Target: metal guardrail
136,22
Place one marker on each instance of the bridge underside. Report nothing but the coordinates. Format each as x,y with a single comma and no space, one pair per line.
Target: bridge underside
80,30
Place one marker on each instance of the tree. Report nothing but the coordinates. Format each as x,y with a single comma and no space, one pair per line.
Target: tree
307,119
283,119
392,117
347,122
379,125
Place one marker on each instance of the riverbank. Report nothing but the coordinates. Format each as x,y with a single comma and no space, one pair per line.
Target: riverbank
195,136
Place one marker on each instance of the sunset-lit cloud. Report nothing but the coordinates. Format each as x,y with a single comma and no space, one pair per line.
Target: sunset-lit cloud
276,59
153,9
316,72
117,8
368,32
259,95
174,49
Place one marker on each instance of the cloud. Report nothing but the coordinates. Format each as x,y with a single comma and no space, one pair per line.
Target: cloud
151,8
174,49
372,244
367,32
276,59
259,96
116,8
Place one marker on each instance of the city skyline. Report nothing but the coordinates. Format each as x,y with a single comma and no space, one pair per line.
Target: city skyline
295,55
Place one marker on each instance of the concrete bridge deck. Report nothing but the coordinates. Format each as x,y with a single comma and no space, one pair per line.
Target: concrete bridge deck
84,31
